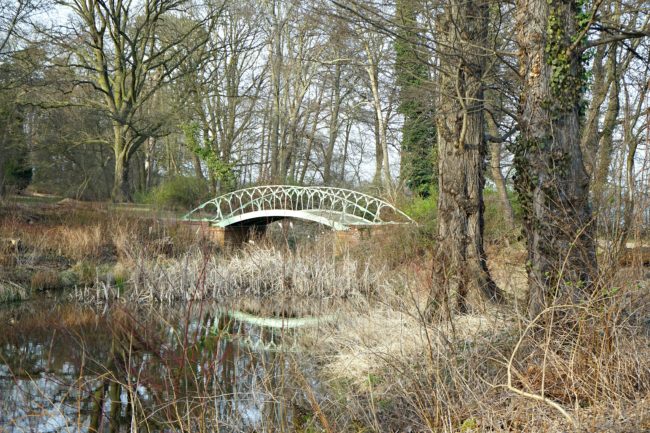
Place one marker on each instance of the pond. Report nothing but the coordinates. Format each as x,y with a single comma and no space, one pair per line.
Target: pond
202,367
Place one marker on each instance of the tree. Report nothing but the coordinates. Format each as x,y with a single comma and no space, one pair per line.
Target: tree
551,180
462,149
376,51
219,90
418,162
130,50
15,70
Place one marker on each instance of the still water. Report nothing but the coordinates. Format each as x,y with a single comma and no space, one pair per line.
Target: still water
203,367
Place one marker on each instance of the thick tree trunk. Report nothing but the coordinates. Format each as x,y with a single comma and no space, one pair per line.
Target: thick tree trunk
551,179
121,192
287,152
310,144
461,142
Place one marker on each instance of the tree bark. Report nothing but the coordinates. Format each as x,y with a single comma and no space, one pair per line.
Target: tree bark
334,125
497,175
198,170
274,128
121,191
606,141
379,153
310,141
382,166
2,176
461,142
551,179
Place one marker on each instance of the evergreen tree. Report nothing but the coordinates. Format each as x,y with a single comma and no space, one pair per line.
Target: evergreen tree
419,162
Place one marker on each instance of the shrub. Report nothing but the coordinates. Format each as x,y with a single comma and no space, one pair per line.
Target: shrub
18,174
424,211
179,192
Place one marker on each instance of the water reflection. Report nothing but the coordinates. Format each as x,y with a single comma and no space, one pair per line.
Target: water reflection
67,368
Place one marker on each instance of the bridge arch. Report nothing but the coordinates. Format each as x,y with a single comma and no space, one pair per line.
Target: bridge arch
334,207
271,215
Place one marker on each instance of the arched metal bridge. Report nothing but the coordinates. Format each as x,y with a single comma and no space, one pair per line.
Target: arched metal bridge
334,207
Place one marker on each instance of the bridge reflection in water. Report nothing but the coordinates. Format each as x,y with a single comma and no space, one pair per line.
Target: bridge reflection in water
72,369
235,217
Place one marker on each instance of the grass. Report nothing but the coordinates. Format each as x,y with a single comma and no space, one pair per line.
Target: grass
254,272
50,246
12,292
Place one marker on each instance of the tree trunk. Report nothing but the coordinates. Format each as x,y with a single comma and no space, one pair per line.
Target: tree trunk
461,142
149,161
599,88
379,154
198,170
274,128
3,149
382,165
310,144
551,178
121,192
497,176
346,142
606,141
334,125
631,192
310,139
2,176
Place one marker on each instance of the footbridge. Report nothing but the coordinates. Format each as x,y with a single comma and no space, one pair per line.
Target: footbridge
232,216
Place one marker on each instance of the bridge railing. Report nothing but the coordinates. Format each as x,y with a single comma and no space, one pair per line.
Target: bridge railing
275,197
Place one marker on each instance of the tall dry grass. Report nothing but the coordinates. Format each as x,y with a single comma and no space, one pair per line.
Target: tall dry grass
58,246
254,272
579,367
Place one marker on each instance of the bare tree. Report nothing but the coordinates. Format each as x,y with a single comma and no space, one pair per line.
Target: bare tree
15,17
130,50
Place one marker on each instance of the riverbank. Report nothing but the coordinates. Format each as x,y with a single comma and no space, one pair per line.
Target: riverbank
391,360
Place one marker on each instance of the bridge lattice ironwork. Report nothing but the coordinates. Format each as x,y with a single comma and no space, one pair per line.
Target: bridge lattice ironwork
337,207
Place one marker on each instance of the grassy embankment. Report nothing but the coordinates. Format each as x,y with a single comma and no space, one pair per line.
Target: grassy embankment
390,362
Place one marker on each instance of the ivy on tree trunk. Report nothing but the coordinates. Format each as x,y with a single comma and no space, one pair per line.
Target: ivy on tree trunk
551,180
